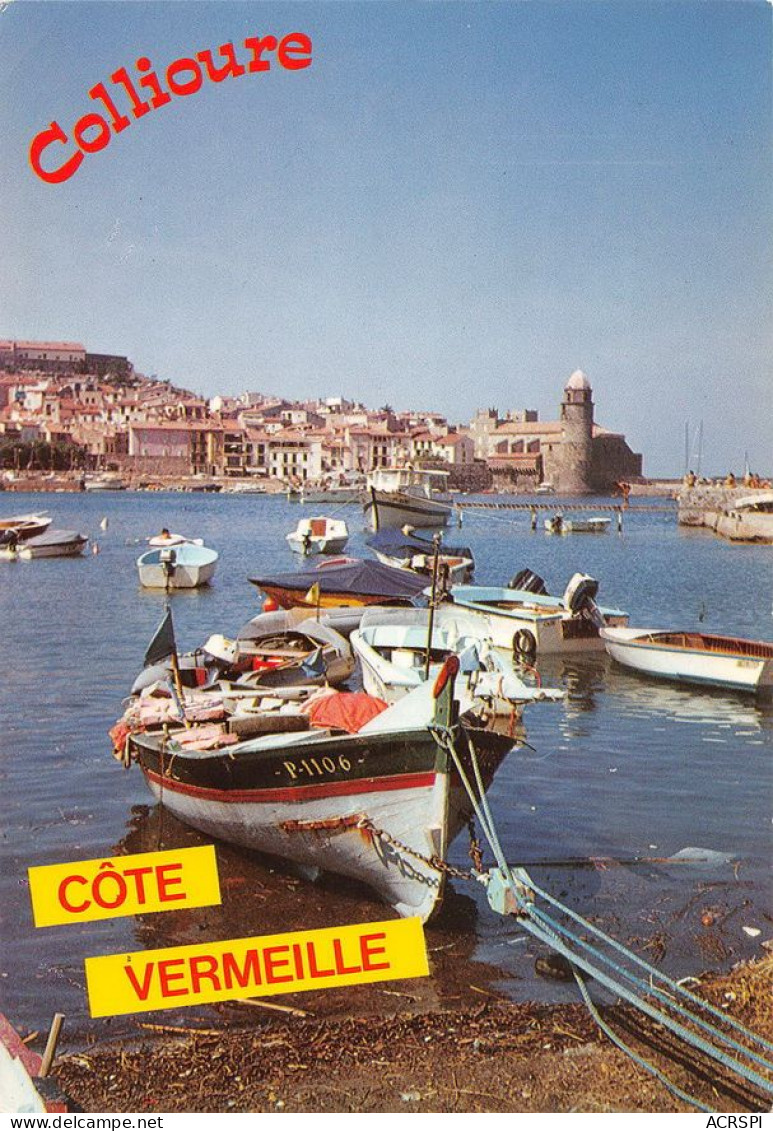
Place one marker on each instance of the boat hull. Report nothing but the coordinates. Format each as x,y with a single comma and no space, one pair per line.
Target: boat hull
734,668
387,510
373,807
71,549
317,545
186,567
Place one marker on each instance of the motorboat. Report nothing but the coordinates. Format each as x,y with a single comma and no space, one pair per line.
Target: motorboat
404,495
560,525
344,784
398,650
694,657
183,566
318,536
405,549
351,581
53,544
528,622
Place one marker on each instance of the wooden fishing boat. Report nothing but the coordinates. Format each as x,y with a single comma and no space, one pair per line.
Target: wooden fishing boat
530,623
184,566
694,657
404,549
318,535
362,790
397,652
25,525
402,495
350,582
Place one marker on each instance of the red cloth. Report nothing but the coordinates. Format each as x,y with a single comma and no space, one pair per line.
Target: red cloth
345,710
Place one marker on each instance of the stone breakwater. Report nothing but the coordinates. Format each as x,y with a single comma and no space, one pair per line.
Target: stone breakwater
716,508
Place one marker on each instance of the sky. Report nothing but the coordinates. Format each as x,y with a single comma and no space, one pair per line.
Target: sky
454,206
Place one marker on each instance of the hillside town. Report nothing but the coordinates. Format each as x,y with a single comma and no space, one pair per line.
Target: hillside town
65,410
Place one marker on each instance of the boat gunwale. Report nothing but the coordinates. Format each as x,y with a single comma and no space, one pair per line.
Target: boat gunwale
658,641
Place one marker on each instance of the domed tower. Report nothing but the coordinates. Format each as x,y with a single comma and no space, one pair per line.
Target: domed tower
577,435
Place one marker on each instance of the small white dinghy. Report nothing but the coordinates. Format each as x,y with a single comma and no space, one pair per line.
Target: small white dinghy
694,657
560,525
184,566
318,536
167,539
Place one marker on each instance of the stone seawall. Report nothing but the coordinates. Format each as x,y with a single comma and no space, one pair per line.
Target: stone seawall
715,508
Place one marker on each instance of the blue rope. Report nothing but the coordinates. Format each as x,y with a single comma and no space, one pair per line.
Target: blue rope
672,985
544,928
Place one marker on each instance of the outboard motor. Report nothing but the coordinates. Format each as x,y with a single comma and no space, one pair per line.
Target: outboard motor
529,581
580,597
168,561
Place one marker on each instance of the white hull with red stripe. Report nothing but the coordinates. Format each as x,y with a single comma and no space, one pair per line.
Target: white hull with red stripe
331,828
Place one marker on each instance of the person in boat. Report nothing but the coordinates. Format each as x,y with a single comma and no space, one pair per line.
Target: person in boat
165,533
730,480
689,479
306,542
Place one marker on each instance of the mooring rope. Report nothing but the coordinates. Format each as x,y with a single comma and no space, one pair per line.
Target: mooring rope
548,930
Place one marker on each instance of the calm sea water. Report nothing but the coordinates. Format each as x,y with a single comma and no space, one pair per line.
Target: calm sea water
625,768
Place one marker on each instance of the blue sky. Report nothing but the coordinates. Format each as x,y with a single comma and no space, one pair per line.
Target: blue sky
455,206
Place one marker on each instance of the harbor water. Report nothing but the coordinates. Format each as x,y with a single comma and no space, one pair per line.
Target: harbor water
611,785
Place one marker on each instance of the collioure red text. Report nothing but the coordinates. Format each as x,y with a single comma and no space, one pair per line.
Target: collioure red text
56,155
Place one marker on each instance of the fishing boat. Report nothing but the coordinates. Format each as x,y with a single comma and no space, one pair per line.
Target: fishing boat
405,549
404,495
528,622
53,544
184,566
400,648
359,789
318,536
560,525
351,581
25,525
694,657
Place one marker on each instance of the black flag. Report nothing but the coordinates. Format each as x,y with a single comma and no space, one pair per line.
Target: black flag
163,644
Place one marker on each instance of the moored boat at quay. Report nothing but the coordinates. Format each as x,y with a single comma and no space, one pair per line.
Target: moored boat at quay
727,662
